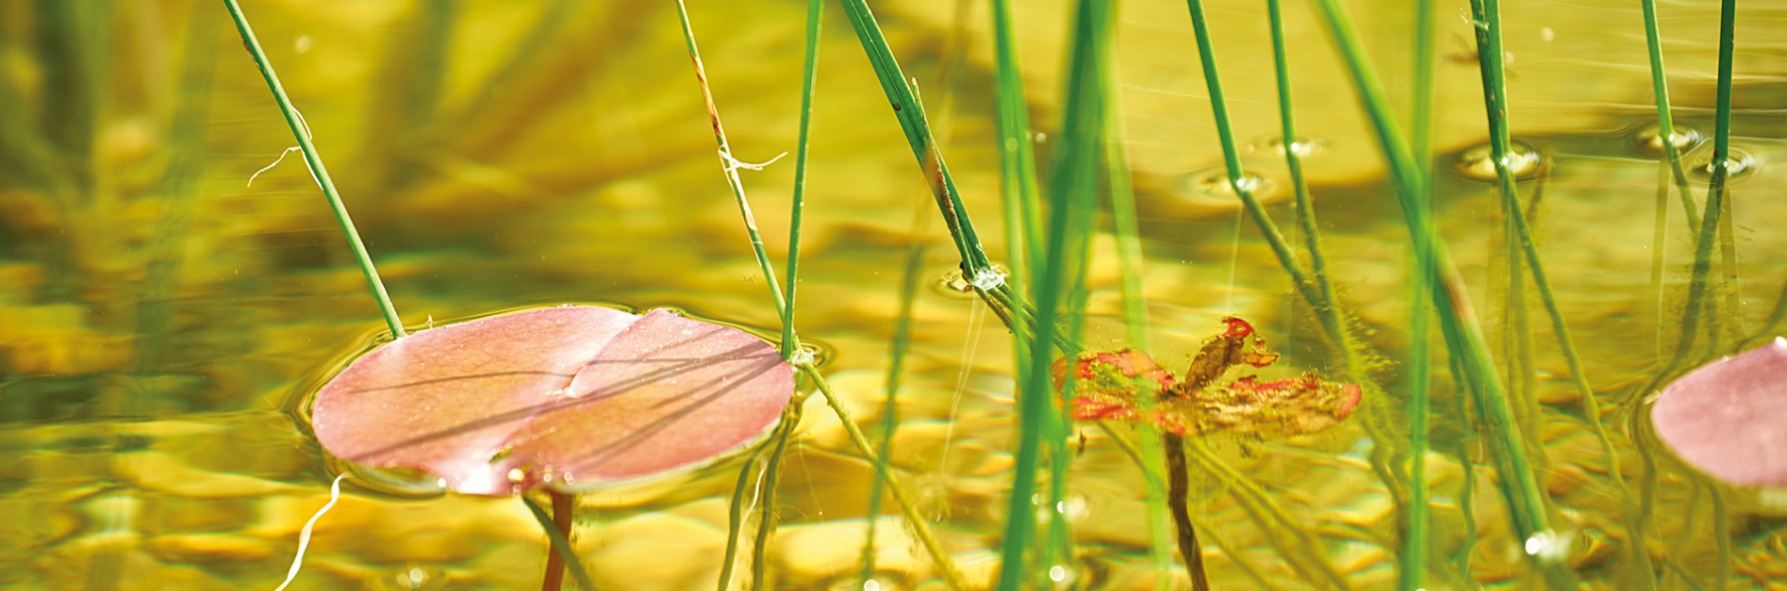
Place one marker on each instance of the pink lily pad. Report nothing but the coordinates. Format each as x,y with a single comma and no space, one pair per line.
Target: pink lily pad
1729,417
563,397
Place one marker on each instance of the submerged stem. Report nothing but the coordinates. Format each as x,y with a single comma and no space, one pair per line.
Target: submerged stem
557,525
1178,487
952,576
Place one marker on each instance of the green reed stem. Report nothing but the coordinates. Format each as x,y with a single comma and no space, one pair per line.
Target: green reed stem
1489,55
735,519
1665,120
1519,485
772,478
952,576
902,341
1126,227
1072,199
809,75
1417,406
558,535
1327,306
317,171
1243,188
910,113
1017,161
730,166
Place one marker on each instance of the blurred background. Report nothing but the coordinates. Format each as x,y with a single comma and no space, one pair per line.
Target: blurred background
162,319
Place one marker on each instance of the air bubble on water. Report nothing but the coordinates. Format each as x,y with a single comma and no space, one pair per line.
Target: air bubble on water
871,585
802,356
1523,162
1058,573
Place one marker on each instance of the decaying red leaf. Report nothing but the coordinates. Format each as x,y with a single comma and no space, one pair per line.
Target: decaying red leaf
563,397
1113,385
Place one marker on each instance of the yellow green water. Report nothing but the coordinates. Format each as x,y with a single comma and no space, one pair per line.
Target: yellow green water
161,320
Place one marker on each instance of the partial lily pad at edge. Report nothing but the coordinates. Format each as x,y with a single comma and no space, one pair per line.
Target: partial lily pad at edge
1729,417
567,397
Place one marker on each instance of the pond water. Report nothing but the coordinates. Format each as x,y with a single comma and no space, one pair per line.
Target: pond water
164,319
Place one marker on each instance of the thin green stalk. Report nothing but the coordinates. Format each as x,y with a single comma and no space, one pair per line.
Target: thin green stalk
730,166
1126,227
559,538
1071,197
902,341
772,477
317,171
809,74
1665,120
1698,283
1327,309
910,113
952,576
1243,188
1721,164
1516,340
1526,502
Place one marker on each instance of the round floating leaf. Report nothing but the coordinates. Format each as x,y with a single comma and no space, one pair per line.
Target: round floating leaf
566,397
1729,418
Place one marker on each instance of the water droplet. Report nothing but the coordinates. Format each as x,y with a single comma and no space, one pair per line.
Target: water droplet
1523,161
1699,164
1649,139
1303,147
1058,573
415,576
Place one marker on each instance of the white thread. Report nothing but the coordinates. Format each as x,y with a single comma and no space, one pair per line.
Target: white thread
304,534
733,164
276,162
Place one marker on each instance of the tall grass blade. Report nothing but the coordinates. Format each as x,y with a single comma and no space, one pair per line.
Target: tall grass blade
1126,227
809,75
1071,196
1417,406
910,113
317,170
